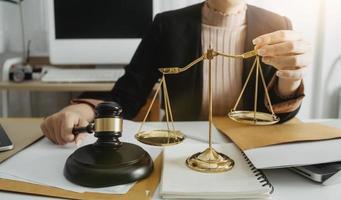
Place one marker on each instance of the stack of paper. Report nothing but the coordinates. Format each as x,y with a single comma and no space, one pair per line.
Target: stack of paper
179,181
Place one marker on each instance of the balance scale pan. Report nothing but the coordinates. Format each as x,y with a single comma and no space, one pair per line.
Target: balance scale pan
160,137
250,117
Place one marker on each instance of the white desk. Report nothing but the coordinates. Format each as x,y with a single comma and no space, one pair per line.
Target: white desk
288,185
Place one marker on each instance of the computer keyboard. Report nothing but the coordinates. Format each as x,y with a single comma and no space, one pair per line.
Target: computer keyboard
81,75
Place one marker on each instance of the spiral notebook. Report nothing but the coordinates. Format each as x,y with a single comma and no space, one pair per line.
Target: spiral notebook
243,181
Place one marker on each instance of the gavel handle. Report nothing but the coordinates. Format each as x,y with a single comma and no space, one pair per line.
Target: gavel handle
87,129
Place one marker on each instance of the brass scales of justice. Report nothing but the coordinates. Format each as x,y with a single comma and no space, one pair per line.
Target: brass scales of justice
209,161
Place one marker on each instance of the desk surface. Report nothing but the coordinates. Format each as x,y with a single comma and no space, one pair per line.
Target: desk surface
56,87
288,185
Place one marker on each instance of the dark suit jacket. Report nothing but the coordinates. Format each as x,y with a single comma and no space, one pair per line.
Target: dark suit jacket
174,39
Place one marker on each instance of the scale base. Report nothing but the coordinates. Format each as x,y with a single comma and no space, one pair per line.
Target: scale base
101,166
210,161
160,137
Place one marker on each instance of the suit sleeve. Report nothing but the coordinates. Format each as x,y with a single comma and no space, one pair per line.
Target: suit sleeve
133,88
285,108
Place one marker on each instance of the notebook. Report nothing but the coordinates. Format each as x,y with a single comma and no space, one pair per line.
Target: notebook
243,181
284,145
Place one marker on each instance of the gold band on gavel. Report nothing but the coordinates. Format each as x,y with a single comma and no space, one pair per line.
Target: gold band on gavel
108,124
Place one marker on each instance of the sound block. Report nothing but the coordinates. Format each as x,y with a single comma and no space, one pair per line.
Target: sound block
102,166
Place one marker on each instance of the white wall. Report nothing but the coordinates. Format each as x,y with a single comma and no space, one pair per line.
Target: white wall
35,26
331,63
303,13
2,35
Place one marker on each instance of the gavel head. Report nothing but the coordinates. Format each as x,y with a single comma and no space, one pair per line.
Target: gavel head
108,110
108,124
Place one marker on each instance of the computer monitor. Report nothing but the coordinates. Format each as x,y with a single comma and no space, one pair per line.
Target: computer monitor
97,31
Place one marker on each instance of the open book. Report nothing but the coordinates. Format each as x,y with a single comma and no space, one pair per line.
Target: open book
243,181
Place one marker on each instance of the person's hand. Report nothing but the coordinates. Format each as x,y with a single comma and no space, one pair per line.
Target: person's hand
285,50
58,127
288,52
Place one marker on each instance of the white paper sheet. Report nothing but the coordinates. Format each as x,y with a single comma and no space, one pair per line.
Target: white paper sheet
43,163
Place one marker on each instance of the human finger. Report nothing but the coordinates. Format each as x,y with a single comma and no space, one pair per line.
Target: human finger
276,37
49,127
293,74
287,62
46,131
284,48
57,130
68,123
80,137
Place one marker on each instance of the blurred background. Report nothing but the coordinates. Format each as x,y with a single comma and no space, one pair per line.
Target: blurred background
317,20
